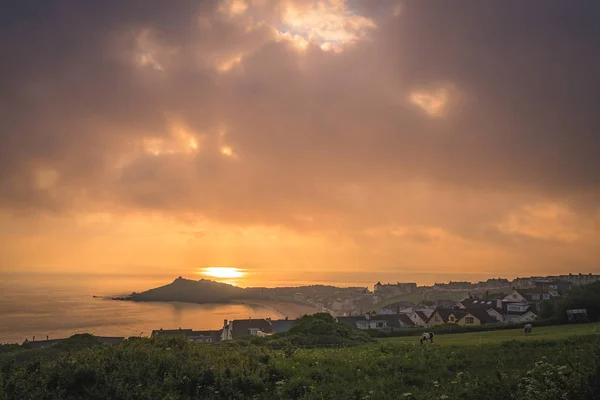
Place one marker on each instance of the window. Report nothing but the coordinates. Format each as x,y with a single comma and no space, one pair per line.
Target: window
514,308
451,318
380,325
535,296
468,320
436,318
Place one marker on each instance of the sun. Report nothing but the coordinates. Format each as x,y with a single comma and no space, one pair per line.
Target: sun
223,272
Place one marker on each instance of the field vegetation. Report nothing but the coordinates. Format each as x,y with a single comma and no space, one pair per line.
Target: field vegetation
560,362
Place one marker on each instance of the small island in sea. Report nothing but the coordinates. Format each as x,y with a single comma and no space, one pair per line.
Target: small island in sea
204,291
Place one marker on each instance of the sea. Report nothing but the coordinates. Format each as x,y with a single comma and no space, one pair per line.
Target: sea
60,306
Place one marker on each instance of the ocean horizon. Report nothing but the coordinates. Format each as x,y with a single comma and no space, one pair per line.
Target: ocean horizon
58,306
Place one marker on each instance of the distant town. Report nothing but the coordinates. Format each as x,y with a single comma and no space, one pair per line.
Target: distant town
390,306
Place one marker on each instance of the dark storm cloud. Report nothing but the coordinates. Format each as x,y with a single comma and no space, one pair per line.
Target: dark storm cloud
318,134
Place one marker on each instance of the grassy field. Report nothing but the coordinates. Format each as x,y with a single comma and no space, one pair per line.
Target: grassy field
499,336
552,363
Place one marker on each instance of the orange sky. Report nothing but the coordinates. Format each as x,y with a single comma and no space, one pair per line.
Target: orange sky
308,141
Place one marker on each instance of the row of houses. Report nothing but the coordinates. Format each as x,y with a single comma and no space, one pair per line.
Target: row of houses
519,306
236,329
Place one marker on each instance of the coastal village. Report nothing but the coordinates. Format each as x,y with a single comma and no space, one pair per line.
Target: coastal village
388,308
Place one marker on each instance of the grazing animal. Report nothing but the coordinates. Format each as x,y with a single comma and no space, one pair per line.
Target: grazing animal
426,336
527,329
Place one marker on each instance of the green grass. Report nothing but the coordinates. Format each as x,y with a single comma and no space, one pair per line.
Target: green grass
552,363
499,336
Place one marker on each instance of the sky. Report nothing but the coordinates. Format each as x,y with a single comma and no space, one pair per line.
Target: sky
301,140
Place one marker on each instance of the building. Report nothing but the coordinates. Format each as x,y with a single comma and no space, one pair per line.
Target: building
394,289
577,315
395,308
444,316
475,317
580,279
379,322
453,286
281,325
241,328
518,312
533,297
466,317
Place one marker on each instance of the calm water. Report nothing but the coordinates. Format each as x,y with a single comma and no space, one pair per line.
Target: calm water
62,306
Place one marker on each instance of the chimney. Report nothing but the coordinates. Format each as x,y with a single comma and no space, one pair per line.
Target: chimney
47,337
34,338
368,316
224,323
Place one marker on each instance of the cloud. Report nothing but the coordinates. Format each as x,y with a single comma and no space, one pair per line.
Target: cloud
451,123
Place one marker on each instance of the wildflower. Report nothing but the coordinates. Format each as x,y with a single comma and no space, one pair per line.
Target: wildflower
443,397
454,382
407,394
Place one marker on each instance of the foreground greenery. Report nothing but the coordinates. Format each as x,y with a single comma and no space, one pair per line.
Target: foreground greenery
579,297
554,363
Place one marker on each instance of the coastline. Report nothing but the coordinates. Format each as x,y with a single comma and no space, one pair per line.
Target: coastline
283,308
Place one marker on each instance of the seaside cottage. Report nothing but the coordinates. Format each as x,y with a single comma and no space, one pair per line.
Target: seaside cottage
241,328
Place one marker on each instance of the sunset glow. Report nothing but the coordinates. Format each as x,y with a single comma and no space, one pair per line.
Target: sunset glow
223,272
315,140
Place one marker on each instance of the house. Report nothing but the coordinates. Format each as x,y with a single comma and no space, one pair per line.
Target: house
476,316
580,279
281,325
558,286
444,316
505,310
417,315
577,315
492,307
395,308
392,289
518,312
530,296
472,317
212,336
380,322
241,328
446,303
170,332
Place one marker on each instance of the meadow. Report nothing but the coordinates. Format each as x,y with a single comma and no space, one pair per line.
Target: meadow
499,336
553,363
